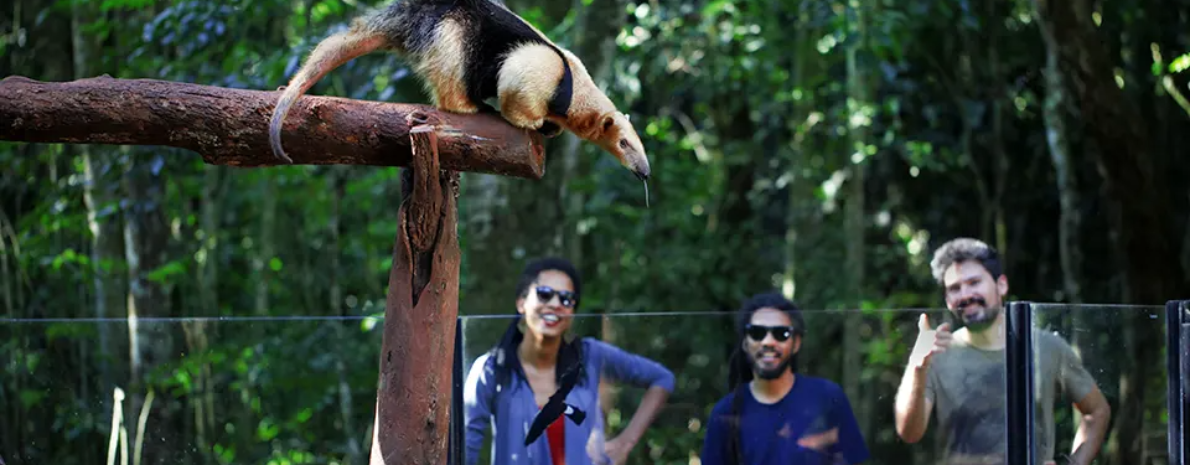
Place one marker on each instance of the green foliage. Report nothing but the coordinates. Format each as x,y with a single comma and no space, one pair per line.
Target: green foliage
1180,63
755,129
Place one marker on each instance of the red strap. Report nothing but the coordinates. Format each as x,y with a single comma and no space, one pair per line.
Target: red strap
556,434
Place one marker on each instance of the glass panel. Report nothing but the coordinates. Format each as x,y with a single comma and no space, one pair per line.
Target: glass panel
1184,429
863,353
1084,353
278,390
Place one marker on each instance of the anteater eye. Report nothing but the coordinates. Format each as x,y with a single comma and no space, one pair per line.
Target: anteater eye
624,144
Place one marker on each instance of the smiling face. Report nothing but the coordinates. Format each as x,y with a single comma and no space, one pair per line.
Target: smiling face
973,295
548,304
770,342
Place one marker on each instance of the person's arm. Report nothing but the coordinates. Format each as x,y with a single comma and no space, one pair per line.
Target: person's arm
714,442
650,405
635,370
1091,404
1096,413
915,396
477,395
913,405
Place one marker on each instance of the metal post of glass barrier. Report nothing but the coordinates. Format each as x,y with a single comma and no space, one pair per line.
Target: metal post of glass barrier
1177,330
454,450
1185,375
1018,355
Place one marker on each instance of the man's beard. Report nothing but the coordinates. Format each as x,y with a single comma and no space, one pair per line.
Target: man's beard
770,373
979,321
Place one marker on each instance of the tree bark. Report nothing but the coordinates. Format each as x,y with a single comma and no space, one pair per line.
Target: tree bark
337,182
1064,169
146,235
413,399
858,85
103,220
1114,126
800,188
230,126
263,251
1136,190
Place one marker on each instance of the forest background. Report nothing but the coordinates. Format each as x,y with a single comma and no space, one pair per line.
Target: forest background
822,148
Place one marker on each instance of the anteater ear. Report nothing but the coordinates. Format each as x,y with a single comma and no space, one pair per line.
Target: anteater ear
608,121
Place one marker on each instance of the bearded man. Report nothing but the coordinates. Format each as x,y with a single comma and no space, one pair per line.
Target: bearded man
773,414
962,373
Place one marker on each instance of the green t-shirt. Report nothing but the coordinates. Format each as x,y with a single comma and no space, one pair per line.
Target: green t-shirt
967,387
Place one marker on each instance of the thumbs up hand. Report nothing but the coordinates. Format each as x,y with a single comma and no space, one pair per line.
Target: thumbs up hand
929,342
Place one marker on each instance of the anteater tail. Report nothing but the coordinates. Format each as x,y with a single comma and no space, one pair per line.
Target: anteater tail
331,53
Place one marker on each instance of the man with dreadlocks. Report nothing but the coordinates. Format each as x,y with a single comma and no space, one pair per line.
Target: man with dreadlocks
774,415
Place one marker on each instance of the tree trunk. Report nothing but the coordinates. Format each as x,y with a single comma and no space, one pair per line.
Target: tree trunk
337,180
9,419
1000,159
800,188
146,233
1065,170
1055,111
261,263
854,223
1115,128
7,278
207,284
1135,190
108,293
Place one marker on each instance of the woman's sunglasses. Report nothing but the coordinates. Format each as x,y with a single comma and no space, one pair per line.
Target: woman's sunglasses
545,293
780,333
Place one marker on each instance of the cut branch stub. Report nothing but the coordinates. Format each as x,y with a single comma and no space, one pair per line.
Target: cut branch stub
230,126
425,206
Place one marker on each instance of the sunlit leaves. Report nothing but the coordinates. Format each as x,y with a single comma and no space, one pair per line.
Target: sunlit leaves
1180,63
716,7
293,457
69,256
266,430
226,454
327,9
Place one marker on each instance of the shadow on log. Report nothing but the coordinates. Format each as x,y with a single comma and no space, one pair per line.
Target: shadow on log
414,395
230,126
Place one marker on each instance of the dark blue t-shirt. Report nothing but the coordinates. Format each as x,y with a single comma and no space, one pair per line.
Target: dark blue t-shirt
797,430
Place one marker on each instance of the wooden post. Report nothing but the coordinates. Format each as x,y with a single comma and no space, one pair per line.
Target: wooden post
413,399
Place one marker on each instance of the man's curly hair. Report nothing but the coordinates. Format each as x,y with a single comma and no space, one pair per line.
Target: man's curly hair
963,249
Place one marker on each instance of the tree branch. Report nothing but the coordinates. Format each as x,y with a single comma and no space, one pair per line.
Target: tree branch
230,126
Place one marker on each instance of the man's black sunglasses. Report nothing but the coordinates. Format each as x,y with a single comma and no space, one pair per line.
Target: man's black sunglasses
545,293
780,333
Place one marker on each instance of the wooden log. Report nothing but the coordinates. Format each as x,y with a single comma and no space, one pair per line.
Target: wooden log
414,396
230,126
